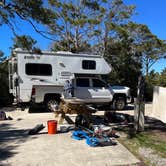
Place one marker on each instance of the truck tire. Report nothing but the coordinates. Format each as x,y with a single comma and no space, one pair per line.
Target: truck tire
119,103
52,104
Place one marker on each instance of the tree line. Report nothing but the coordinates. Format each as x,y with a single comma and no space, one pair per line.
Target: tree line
102,27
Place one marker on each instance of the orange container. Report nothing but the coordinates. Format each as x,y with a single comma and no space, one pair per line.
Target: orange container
52,126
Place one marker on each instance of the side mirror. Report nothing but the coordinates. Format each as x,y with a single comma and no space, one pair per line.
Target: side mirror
107,86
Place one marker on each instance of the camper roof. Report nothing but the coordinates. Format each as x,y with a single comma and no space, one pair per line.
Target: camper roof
58,53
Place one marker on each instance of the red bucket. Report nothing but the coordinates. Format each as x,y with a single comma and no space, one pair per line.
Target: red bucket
52,126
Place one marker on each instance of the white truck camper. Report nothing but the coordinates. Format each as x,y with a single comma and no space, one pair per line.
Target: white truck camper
40,78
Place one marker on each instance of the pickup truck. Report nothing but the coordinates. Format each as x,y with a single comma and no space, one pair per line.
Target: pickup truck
95,91
91,90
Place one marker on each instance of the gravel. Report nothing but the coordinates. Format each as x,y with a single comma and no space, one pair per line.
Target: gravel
154,159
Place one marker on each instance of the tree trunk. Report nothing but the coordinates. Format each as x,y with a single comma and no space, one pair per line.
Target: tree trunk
76,39
105,39
147,69
139,107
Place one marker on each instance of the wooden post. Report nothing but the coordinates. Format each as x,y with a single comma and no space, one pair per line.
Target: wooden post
139,107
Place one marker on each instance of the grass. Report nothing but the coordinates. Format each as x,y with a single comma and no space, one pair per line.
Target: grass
150,141
146,140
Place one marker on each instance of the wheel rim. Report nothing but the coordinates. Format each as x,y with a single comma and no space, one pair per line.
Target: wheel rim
120,104
52,105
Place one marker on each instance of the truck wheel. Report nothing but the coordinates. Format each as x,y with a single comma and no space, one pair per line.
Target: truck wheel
119,103
52,105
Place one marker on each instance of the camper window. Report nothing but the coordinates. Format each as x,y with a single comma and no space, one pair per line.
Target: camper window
38,69
82,82
88,64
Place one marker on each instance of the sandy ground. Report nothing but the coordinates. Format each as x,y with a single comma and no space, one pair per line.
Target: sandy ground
130,111
17,148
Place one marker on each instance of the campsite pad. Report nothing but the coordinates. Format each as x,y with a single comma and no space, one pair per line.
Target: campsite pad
18,148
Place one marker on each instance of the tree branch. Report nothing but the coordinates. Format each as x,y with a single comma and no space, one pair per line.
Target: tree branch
42,33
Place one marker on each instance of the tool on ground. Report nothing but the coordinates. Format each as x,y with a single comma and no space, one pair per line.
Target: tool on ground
36,129
64,129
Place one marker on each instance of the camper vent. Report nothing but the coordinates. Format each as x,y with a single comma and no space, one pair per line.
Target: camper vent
64,52
66,73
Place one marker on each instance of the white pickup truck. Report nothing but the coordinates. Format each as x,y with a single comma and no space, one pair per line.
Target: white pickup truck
92,90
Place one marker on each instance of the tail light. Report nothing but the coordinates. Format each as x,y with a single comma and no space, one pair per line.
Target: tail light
33,92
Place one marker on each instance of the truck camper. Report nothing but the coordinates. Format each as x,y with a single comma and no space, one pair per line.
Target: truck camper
40,78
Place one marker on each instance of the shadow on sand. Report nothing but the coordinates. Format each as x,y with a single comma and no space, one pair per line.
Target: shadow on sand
10,140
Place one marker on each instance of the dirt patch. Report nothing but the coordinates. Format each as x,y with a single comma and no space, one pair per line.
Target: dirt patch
159,134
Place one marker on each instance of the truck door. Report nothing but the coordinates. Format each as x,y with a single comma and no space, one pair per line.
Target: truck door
82,88
100,91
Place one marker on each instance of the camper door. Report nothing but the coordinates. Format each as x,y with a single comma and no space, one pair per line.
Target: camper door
13,77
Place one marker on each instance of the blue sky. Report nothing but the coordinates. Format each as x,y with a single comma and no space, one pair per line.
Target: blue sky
153,14
150,12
